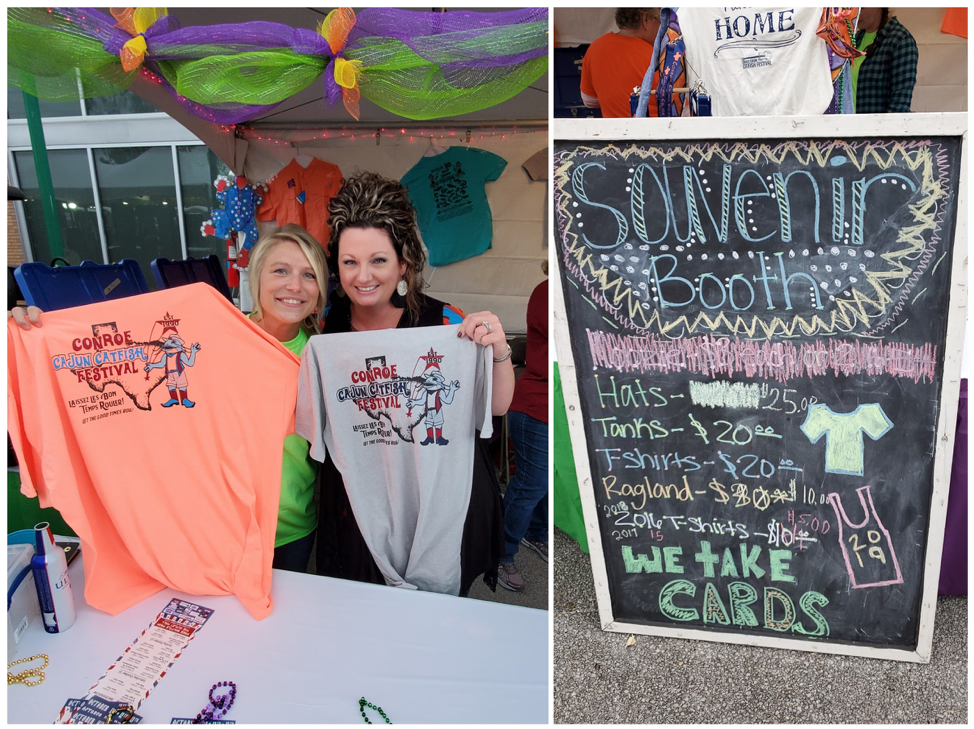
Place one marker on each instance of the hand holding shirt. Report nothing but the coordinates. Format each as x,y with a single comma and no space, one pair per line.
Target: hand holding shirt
397,411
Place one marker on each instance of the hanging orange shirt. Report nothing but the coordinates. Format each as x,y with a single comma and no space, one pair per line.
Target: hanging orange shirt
154,425
301,195
613,65
955,22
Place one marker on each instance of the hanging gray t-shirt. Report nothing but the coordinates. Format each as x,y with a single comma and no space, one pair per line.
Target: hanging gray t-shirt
397,410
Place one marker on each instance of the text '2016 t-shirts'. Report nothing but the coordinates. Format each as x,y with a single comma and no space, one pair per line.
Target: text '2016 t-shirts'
451,204
758,62
154,425
397,410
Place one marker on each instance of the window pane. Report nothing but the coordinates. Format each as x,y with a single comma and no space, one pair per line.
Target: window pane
15,106
123,103
74,201
198,170
138,202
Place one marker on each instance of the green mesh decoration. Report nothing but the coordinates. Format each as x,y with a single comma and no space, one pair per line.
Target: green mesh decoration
264,77
420,65
430,65
49,58
431,95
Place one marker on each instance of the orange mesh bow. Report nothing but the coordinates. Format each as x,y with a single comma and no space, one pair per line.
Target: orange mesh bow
346,75
335,29
135,21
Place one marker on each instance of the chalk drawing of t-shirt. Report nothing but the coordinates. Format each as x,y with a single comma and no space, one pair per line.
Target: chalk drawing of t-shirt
843,434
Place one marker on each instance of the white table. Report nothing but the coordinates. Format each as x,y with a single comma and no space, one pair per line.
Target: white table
424,658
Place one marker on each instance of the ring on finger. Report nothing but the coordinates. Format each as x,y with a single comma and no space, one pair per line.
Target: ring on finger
487,326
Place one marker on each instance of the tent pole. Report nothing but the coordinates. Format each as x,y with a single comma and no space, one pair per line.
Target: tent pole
43,169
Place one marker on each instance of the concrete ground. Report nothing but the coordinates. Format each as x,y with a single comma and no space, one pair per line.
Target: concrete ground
597,679
534,570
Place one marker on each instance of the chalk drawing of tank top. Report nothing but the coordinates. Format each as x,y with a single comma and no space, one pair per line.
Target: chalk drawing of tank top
866,547
843,434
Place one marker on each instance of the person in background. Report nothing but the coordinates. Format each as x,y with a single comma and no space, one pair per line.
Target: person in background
616,63
526,498
286,268
377,255
889,72
288,272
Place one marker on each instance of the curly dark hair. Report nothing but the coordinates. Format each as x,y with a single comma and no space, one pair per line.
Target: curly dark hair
633,17
369,200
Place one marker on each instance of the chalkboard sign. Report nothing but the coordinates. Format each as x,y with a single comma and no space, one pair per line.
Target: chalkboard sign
758,321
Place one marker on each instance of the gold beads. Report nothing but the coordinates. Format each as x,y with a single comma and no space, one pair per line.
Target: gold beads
29,673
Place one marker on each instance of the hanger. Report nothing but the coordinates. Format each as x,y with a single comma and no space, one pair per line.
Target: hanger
433,149
303,159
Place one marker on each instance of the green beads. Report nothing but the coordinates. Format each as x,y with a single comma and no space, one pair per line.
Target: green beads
363,703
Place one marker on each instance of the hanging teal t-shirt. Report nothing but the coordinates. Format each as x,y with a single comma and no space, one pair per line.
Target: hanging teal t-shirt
447,191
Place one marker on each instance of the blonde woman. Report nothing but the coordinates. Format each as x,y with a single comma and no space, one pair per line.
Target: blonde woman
288,272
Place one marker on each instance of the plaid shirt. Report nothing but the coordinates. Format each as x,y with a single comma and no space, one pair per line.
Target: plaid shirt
888,75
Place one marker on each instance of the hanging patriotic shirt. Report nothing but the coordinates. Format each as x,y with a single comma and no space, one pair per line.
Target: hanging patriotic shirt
398,410
125,419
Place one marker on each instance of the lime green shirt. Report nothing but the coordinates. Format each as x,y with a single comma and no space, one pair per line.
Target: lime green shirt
297,514
864,43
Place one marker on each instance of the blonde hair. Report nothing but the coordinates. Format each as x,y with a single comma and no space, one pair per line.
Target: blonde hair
368,200
313,252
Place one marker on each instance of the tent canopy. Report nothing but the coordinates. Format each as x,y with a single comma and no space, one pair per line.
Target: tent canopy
308,108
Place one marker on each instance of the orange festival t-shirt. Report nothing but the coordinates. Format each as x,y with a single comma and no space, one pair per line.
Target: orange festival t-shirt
154,425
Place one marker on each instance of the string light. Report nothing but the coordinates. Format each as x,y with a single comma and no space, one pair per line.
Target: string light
298,136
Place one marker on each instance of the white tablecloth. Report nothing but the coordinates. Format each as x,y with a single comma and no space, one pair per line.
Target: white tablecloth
423,658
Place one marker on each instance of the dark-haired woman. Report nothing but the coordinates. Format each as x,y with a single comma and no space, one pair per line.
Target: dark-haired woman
376,253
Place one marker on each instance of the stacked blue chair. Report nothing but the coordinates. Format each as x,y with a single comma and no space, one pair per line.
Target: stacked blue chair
61,287
193,270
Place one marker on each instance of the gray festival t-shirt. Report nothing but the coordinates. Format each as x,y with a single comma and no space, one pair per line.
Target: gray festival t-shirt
397,410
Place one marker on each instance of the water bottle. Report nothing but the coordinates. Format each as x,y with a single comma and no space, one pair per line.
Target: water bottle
50,568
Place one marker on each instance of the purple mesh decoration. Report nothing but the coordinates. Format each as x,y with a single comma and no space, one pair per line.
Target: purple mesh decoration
455,43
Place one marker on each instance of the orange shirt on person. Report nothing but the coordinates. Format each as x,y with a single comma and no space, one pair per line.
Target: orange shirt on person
613,65
170,476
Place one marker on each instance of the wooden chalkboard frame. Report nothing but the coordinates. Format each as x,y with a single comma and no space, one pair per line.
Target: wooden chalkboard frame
889,125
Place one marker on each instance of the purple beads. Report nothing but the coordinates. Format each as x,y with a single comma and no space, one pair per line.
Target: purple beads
221,703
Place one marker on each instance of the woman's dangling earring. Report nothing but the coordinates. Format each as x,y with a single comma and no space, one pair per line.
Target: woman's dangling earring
402,287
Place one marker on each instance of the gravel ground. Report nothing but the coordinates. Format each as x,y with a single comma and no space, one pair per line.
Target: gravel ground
669,681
